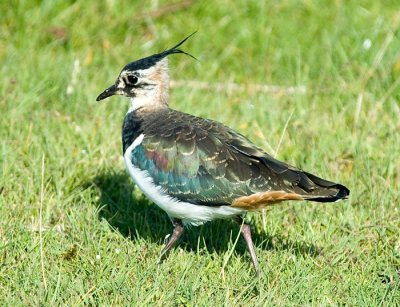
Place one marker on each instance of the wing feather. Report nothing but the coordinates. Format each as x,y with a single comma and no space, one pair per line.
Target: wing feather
204,162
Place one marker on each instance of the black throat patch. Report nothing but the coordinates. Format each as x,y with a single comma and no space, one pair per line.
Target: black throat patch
131,129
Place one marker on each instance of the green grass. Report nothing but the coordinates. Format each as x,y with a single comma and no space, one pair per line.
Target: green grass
66,198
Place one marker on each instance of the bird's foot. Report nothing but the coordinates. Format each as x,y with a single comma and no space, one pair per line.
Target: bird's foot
246,233
171,239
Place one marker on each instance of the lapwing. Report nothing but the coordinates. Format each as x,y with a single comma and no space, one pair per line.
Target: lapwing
198,170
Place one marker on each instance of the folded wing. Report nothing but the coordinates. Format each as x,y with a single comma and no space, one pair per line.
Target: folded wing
204,162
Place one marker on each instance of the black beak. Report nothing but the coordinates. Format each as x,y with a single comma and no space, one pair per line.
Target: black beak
107,93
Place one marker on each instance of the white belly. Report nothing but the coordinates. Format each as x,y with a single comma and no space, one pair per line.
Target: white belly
187,212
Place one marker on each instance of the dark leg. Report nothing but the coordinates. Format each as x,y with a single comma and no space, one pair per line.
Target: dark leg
246,233
176,234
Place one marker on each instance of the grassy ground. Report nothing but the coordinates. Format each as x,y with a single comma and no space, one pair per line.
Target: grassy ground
73,228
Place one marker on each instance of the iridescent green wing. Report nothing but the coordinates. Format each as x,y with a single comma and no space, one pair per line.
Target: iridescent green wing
204,162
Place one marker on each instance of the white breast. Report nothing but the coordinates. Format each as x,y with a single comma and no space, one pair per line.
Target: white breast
187,212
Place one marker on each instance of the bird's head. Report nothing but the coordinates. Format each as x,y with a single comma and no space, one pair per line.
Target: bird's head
145,81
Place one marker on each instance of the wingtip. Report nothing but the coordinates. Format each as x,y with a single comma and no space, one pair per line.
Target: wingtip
343,192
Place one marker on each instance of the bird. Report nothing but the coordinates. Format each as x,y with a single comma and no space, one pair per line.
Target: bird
196,169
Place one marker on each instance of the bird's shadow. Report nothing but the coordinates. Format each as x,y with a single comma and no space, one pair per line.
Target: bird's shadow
131,214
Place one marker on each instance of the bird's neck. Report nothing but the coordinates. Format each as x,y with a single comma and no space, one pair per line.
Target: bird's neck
152,100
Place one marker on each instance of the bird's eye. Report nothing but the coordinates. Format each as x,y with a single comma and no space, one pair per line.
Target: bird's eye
132,79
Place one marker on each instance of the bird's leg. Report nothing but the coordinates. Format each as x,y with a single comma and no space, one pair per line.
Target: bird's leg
176,234
246,233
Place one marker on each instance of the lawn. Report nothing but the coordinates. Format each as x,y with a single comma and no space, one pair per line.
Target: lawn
316,83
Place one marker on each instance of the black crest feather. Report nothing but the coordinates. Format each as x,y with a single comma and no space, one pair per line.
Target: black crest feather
153,59
176,50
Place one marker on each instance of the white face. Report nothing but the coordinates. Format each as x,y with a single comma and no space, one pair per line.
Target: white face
146,87
130,83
